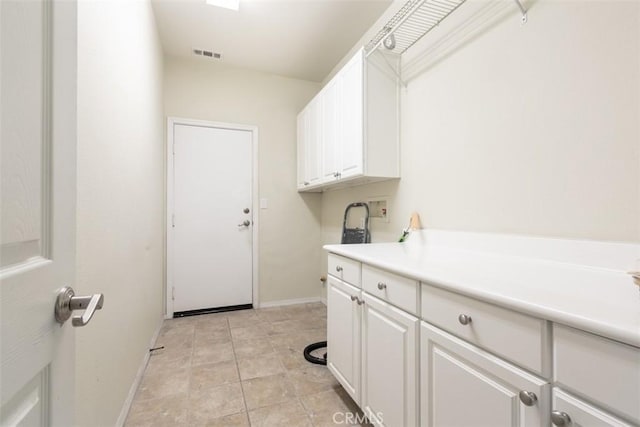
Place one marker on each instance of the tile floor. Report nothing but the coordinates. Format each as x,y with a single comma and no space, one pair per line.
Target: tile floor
242,368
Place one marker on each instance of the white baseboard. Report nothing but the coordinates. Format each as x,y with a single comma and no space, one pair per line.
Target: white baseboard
289,302
136,382
324,301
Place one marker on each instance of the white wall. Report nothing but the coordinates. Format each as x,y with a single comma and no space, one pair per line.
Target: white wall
289,234
120,200
530,129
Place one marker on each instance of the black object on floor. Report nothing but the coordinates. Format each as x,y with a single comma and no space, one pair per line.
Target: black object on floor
212,310
313,359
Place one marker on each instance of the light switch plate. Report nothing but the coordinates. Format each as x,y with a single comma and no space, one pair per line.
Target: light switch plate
264,203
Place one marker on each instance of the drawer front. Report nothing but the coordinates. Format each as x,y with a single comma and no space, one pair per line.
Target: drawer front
606,371
397,290
520,338
581,413
345,269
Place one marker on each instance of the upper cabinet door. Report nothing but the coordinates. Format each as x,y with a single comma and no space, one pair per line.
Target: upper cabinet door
302,145
352,110
313,152
331,136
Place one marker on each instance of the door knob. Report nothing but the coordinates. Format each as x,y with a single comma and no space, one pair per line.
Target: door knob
245,223
246,210
528,398
66,302
464,319
560,418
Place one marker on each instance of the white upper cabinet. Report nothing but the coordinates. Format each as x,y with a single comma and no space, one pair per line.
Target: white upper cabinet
354,137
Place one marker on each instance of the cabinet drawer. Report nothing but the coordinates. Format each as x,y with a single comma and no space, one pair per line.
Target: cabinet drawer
520,338
345,269
397,290
607,371
581,413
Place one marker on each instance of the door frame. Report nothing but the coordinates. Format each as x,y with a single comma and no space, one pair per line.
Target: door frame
169,183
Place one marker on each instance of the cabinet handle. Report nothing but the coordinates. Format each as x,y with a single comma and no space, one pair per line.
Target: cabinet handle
560,418
382,286
338,268
306,183
354,298
360,301
528,398
464,319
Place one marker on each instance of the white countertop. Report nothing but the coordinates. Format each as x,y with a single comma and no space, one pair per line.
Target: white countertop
596,299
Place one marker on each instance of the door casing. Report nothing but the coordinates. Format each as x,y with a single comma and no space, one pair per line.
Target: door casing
171,122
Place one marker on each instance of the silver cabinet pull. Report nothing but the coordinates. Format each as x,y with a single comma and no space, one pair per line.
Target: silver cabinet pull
306,183
360,301
464,319
382,286
528,398
246,210
354,298
560,418
338,268
245,223
66,302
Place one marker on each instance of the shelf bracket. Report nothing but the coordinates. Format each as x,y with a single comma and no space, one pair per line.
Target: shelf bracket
523,19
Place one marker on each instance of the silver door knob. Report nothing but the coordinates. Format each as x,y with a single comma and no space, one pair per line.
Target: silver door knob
560,418
66,302
382,286
245,223
246,210
464,319
528,398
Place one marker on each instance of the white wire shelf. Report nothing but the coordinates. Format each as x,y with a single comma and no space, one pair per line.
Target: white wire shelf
415,19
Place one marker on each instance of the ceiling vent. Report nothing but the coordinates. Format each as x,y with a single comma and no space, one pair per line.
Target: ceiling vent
206,53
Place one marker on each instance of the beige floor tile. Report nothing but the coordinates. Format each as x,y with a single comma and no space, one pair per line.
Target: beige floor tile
207,405
174,381
289,414
175,340
211,334
160,364
266,391
339,418
241,318
164,412
213,322
212,352
272,314
330,401
284,327
248,332
213,374
235,420
252,348
292,341
311,380
292,359
261,366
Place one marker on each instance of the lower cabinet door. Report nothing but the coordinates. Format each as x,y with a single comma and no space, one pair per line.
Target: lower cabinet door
389,364
571,411
344,319
463,385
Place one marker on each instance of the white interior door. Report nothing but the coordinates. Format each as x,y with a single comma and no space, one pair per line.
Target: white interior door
37,240
213,217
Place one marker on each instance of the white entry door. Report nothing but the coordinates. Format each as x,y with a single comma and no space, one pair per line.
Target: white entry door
211,244
37,233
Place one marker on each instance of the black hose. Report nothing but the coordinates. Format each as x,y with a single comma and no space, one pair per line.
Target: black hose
313,359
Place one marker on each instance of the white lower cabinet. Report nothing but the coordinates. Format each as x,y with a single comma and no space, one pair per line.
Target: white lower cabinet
344,322
570,411
390,380
463,385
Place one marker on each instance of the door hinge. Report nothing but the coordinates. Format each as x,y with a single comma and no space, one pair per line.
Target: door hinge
173,293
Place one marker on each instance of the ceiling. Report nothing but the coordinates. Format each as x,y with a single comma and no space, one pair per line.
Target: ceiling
302,39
